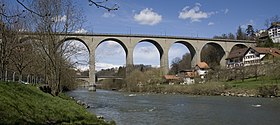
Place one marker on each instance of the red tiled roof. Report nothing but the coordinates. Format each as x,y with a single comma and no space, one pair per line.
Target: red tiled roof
273,51
202,65
171,77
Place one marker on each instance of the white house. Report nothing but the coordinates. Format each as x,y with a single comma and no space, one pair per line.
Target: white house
202,69
251,56
274,32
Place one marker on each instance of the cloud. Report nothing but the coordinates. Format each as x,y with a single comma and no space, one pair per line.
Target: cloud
146,53
81,31
250,22
109,49
148,17
210,23
99,66
59,18
226,11
108,15
83,67
194,14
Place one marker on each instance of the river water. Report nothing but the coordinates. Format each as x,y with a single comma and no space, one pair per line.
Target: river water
159,109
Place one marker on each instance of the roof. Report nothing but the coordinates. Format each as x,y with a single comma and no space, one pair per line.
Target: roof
274,25
262,50
273,51
191,74
171,77
202,65
186,70
237,53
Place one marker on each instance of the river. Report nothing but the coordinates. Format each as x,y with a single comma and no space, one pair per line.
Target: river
160,109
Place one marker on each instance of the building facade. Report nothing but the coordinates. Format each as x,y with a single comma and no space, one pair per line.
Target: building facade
251,56
274,32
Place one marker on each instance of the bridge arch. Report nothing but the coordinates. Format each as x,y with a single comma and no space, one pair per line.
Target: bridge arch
237,46
212,53
153,44
110,52
189,46
186,45
115,40
75,39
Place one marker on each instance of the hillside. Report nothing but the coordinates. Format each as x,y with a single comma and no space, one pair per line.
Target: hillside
26,104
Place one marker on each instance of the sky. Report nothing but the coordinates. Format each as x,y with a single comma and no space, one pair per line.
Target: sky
188,18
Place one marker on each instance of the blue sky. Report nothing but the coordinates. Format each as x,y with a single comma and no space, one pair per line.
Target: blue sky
192,18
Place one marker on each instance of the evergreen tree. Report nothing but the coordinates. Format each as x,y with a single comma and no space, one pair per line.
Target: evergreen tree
240,35
250,32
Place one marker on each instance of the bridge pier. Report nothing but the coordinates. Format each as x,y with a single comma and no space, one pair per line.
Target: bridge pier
92,70
164,62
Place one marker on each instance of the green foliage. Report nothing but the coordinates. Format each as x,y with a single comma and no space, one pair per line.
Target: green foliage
250,31
25,104
265,43
240,34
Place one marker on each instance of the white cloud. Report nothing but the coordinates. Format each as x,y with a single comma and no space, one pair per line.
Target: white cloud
112,44
194,14
59,18
210,23
226,10
99,66
83,67
81,31
109,50
108,14
250,22
146,53
148,17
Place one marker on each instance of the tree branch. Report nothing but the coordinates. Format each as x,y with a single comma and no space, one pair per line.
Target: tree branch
99,5
32,11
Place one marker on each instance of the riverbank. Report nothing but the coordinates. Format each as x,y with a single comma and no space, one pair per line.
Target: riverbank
247,88
26,104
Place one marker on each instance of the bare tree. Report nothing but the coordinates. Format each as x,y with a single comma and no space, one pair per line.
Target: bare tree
9,29
64,18
268,22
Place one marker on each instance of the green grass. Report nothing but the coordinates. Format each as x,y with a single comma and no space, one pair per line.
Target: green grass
251,83
26,104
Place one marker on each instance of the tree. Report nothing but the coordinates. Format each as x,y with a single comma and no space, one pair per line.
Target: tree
225,36
174,66
22,56
268,22
250,32
63,18
211,55
240,35
185,62
9,30
231,36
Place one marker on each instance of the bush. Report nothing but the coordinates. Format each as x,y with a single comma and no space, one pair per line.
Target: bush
268,90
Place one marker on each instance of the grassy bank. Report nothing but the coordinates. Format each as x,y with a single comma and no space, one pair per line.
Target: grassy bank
26,104
264,87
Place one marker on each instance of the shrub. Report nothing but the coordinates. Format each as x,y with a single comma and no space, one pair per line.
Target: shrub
268,90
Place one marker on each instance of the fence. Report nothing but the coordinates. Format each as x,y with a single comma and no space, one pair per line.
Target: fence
11,76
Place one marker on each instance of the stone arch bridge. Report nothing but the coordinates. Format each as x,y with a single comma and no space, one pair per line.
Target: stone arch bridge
162,43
